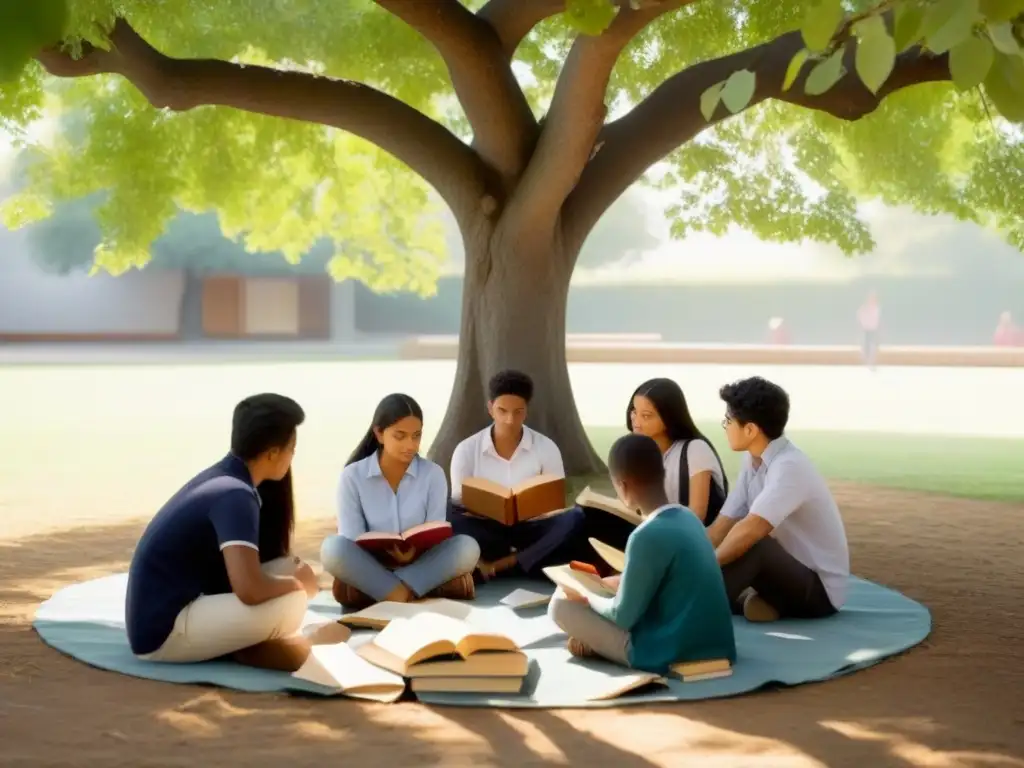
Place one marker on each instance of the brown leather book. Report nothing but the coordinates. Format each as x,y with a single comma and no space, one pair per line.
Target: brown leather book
536,497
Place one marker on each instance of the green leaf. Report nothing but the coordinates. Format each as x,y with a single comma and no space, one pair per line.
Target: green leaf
1004,86
996,11
876,55
709,100
26,27
23,209
739,90
970,61
908,25
820,24
793,70
1003,39
948,23
825,74
591,17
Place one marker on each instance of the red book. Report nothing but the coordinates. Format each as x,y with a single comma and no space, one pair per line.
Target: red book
419,537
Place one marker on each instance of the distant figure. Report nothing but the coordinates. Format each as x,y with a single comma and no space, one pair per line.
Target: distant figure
1007,334
869,317
778,331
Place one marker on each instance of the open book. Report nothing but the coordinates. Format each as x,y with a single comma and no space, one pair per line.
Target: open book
340,668
623,681
536,497
422,537
404,644
578,581
614,557
379,615
595,500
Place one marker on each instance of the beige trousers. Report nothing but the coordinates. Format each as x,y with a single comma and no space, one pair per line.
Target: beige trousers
216,625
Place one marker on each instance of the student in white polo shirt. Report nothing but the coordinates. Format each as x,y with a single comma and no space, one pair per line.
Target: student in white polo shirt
508,452
779,538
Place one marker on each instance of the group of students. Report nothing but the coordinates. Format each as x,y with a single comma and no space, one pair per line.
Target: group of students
213,575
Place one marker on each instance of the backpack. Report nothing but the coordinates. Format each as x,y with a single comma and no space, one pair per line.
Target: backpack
716,497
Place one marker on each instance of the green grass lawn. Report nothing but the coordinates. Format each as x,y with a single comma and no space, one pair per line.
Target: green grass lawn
90,445
979,468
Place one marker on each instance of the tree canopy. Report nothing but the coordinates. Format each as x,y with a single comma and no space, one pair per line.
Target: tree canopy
284,185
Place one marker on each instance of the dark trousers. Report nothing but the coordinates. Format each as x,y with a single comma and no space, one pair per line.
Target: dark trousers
537,543
789,586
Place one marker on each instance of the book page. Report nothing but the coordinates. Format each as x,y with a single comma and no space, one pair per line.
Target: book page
427,634
614,557
536,480
584,583
339,667
628,682
483,664
379,614
408,532
589,498
524,598
405,638
487,486
378,536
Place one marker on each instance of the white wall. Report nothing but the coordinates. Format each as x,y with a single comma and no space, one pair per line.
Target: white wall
33,301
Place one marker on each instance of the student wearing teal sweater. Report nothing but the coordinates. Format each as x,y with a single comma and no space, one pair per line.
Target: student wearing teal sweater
670,604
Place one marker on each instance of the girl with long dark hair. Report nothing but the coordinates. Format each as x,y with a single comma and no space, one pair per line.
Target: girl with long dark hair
387,486
694,475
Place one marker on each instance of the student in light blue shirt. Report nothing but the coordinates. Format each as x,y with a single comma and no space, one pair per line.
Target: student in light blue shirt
670,603
387,486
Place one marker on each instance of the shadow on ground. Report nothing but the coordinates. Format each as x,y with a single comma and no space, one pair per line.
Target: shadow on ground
955,701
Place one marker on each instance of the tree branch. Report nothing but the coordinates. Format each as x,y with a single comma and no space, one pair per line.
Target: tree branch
576,115
426,147
513,20
504,128
670,116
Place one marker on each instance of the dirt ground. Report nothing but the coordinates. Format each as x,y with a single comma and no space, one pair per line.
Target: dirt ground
957,700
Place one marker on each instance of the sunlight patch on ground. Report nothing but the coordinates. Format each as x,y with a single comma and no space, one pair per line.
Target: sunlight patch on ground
914,753
660,737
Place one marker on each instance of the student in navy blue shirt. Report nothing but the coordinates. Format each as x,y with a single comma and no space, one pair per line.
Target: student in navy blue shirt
387,486
197,589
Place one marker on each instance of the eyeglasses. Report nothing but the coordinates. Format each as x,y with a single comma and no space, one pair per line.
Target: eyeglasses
726,422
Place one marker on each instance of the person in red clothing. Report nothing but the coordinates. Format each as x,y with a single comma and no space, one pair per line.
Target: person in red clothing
1007,334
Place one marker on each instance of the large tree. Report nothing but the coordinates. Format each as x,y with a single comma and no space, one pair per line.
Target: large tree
775,116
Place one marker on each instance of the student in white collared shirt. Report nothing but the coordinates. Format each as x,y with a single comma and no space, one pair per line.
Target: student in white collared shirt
779,538
508,452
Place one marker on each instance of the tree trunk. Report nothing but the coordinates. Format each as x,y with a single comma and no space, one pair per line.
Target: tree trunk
514,301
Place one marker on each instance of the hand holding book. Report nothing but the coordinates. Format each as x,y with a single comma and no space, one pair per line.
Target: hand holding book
402,555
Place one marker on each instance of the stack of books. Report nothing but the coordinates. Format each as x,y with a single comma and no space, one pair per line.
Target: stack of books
440,653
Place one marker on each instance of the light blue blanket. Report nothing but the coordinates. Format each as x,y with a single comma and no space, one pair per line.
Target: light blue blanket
86,621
